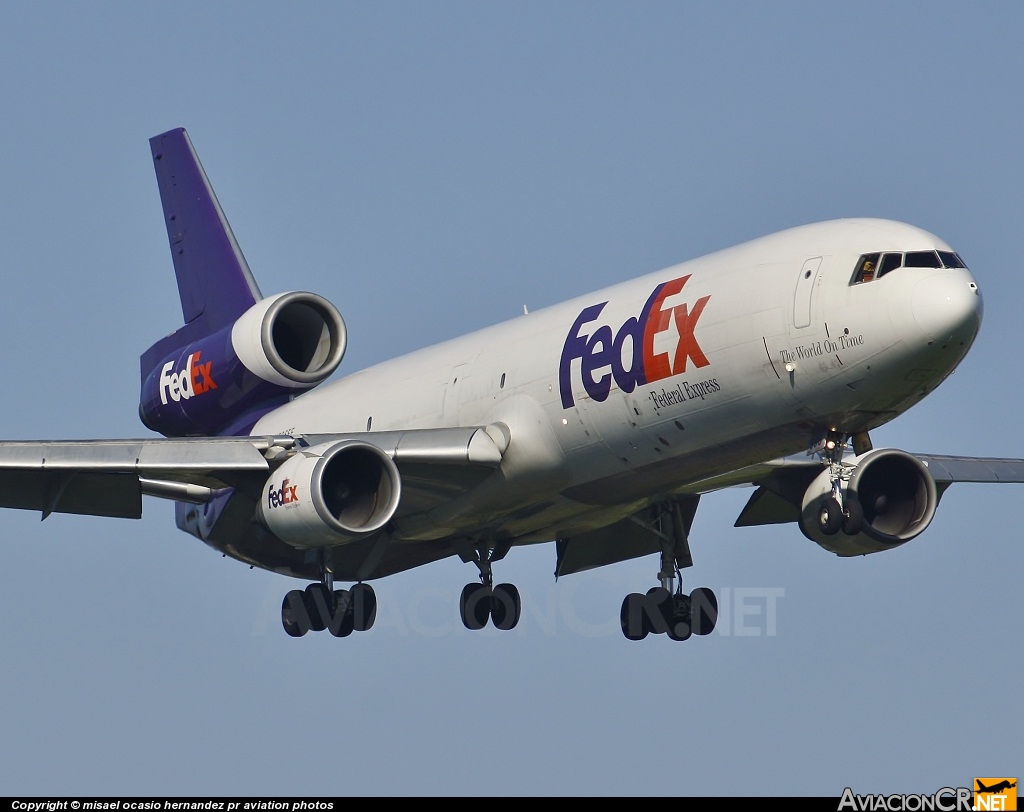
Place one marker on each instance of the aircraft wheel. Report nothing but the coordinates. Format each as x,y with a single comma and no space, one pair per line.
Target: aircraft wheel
830,516
342,621
679,627
853,516
703,611
364,607
475,606
633,617
318,605
505,606
659,608
294,615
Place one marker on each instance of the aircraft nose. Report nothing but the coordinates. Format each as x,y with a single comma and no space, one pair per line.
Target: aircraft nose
948,306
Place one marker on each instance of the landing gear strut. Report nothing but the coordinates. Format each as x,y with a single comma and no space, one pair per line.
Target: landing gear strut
841,510
483,601
321,606
667,609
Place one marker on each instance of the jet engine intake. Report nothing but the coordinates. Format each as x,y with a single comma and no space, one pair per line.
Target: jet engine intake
896,495
330,494
292,339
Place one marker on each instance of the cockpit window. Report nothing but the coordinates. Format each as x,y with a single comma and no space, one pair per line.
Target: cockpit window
875,266
866,267
922,259
951,260
890,262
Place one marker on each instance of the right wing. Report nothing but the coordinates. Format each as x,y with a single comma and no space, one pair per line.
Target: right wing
110,477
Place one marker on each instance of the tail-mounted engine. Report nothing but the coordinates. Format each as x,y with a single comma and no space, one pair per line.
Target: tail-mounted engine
224,382
330,494
889,498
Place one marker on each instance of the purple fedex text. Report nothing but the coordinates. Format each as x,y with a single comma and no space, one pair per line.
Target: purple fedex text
601,352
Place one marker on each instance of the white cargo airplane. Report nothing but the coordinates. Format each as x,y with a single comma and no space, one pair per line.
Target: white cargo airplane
596,424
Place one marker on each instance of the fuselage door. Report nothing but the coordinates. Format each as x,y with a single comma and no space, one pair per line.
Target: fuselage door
804,290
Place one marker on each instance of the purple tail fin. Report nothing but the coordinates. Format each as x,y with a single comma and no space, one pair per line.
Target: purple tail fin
214,281
238,355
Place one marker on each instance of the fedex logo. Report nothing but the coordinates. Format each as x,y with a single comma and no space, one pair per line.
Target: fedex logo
193,380
629,356
285,495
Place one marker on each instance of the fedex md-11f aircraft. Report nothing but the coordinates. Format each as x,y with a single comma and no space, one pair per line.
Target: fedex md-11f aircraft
596,424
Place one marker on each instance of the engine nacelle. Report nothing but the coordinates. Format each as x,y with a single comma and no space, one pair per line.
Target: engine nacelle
295,340
897,496
330,494
221,382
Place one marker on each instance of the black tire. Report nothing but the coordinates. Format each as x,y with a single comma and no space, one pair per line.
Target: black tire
703,611
659,609
853,516
318,604
364,607
475,606
294,615
633,618
342,621
830,516
505,606
679,627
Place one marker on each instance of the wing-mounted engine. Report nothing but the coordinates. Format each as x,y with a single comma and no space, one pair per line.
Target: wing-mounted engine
223,382
889,498
330,494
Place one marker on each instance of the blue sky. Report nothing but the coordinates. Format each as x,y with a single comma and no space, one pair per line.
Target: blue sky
431,168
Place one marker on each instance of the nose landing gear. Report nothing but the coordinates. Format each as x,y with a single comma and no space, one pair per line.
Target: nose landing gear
841,510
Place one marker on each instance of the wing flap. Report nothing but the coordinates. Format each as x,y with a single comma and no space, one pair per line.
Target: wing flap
767,507
83,493
617,542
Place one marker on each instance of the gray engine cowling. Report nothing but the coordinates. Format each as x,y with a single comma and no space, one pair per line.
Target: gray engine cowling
330,494
897,496
294,340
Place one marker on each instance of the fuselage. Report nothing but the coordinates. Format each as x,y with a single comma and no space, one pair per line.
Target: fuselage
655,385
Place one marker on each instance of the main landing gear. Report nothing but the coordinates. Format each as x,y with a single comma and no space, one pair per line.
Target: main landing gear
667,609
483,601
320,606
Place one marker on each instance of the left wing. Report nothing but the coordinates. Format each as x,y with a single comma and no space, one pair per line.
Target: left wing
781,484
948,470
